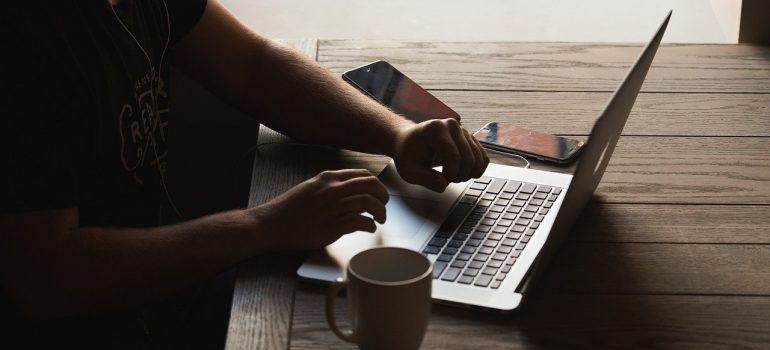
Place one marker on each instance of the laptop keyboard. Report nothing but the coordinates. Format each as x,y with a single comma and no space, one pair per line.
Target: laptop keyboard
486,232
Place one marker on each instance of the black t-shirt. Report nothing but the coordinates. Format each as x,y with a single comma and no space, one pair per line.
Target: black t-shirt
78,123
84,132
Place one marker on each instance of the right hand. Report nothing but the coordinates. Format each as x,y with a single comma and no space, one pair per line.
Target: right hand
319,211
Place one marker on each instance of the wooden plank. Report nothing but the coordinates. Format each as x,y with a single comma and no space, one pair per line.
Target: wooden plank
658,114
559,66
652,268
260,317
603,222
688,170
571,321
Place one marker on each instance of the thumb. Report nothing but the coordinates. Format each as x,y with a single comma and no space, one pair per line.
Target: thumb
426,177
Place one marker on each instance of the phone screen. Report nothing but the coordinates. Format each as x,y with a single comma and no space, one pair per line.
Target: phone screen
395,90
529,142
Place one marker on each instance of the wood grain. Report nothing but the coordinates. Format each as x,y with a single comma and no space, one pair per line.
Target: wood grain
260,317
572,321
654,114
559,66
645,223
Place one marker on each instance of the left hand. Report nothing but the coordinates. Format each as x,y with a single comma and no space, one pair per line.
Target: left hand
418,148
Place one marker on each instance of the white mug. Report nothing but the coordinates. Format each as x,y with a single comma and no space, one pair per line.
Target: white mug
389,291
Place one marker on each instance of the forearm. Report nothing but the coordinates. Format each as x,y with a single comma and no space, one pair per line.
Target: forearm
96,269
296,96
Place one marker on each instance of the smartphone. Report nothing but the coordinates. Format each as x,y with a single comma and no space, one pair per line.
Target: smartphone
387,85
514,139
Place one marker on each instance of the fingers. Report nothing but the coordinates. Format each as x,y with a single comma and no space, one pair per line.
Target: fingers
353,223
480,157
345,174
362,203
360,185
467,157
445,147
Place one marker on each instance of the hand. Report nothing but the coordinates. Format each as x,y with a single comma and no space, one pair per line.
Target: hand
418,148
320,210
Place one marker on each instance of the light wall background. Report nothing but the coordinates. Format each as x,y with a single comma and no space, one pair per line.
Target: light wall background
693,21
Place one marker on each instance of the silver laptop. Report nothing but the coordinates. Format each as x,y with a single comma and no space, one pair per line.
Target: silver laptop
488,237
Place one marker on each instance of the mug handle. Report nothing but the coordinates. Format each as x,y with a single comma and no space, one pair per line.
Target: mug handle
331,295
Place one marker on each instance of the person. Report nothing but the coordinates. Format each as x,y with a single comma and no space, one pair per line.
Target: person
84,157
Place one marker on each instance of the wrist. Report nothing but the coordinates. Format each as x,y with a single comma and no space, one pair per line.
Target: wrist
397,135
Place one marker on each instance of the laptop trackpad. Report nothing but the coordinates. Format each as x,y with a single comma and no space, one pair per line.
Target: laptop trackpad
404,227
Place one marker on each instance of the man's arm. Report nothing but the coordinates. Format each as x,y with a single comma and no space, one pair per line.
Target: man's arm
52,267
296,96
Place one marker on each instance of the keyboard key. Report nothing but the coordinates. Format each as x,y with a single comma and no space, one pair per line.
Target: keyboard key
495,236
525,239
502,202
521,246
475,216
489,222
483,228
431,250
506,268
465,279
437,242
518,228
509,216
488,196
465,229
451,274
515,254
552,198
476,264
471,272
496,263
512,186
531,208
500,229
544,188
442,234
513,210
467,250
539,218
487,249
547,204
557,191
438,268
496,186
522,222
489,271
459,264
527,215
519,203
468,199
478,186
456,217
499,256
529,232
513,235
511,260
505,223
509,242
536,202
463,256
495,284
492,215
484,203
473,193
522,196
506,195
449,250
473,243
535,225
445,257
501,276
484,180
455,243
527,188
497,208
540,196
544,211
483,281
478,235
505,249
482,257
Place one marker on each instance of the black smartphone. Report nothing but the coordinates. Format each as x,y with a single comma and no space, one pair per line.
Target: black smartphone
540,145
384,83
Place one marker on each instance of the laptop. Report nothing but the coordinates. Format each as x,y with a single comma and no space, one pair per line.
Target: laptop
489,237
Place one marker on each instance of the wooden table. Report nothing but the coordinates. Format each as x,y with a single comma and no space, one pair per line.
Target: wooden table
672,252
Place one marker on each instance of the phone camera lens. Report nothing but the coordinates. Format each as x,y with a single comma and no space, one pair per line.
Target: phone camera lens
367,69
